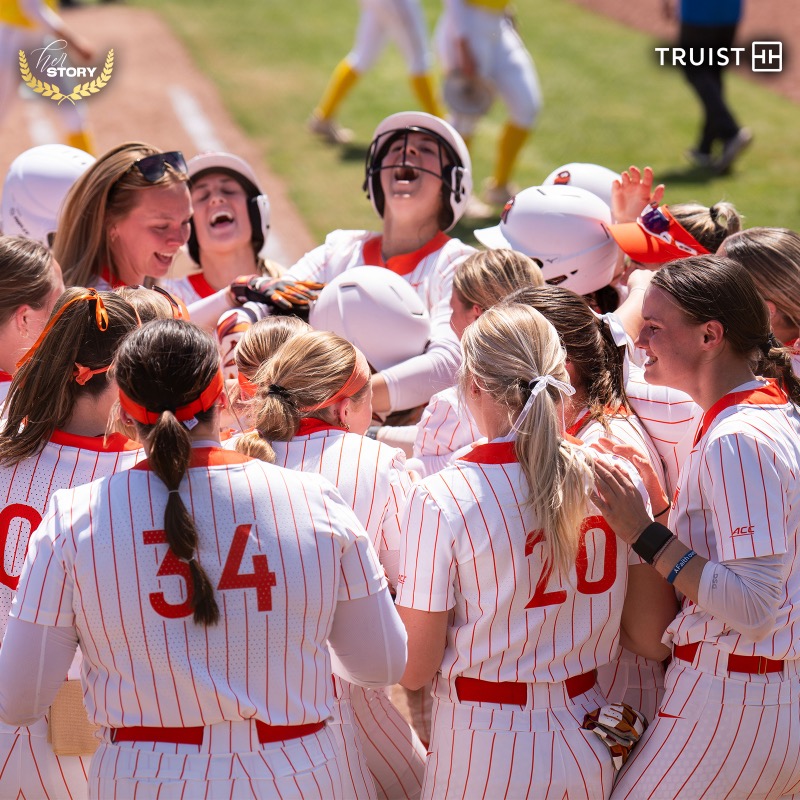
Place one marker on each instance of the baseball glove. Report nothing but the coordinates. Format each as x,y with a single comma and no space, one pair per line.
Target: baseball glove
283,295
619,726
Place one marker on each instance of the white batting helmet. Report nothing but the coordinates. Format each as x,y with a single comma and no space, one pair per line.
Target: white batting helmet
456,167
566,228
592,177
257,201
376,310
34,189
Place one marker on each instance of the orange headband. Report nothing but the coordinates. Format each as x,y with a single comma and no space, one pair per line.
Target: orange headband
100,316
247,388
205,401
353,385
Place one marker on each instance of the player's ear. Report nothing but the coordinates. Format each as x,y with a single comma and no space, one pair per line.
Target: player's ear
23,318
713,334
126,418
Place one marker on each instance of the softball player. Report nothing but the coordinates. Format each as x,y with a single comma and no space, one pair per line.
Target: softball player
772,256
728,725
204,644
402,21
479,282
258,344
510,600
312,407
229,226
478,39
419,179
57,413
125,218
600,412
30,284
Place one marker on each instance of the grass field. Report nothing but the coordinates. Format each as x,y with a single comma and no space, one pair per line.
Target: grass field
606,101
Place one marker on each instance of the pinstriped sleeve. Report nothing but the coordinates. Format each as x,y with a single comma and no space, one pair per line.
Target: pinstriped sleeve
46,586
743,481
427,556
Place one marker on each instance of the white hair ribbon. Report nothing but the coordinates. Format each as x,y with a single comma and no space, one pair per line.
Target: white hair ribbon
620,337
537,385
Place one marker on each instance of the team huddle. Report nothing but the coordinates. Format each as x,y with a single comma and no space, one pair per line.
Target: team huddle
406,518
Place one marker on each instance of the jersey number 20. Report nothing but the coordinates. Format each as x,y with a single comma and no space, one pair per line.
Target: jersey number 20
260,579
592,526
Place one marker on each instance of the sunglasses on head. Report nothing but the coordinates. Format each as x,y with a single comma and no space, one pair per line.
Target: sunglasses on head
654,220
152,168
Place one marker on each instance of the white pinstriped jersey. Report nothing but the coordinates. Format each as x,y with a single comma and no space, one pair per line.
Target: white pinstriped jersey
189,288
446,426
739,497
370,476
31,767
625,429
65,461
669,416
280,548
471,545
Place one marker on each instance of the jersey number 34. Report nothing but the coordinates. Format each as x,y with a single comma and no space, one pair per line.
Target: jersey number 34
260,579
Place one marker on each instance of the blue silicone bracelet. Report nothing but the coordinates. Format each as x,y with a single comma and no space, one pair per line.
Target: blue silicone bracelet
680,565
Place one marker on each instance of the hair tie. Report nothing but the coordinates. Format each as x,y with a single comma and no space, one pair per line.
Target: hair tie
541,382
83,374
174,491
100,318
279,390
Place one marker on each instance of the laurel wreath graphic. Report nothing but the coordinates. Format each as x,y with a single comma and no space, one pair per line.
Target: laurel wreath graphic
54,92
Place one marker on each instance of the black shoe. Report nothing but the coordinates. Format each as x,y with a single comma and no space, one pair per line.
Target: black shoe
733,148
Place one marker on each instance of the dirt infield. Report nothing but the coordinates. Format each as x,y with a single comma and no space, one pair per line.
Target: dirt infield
764,20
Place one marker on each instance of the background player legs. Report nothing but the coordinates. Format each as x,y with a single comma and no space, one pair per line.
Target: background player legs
719,124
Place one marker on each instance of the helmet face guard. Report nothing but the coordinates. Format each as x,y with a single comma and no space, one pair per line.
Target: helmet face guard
455,168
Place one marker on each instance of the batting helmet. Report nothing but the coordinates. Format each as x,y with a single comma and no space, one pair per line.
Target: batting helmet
566,228
592,177
257,202
455,164
376,310
35,186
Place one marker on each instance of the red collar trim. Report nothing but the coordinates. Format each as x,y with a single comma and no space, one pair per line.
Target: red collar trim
576,426
500,452
5,377
405,263
201,285
309,425
491,453
113,282
206,457
113,443
770,395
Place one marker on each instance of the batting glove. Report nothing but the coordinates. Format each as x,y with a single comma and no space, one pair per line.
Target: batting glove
281,294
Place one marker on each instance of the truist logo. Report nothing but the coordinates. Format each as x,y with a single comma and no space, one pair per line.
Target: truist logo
761,56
